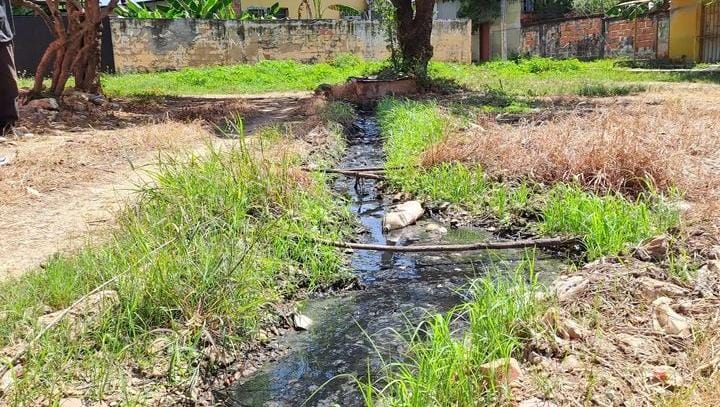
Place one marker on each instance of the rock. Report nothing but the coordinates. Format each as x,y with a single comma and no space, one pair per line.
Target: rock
666,375
508,118
434,227
98,100
504,371
668,321
34,192
569,329
713,252
89,307
401,197
218,355
44,104
707,281
536,402
71,402
566,288
651,289
7,380
570,363
403,215
301,322
655,249
635,345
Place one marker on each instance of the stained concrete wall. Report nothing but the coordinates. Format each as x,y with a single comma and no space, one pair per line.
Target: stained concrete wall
595,37
157,45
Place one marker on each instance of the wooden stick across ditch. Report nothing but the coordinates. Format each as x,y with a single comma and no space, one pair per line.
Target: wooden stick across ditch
511,244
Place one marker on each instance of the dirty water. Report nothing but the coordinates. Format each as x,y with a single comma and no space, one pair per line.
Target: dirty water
355,333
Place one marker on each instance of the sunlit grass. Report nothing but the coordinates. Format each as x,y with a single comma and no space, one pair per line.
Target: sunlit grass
527,77
446,351
206,252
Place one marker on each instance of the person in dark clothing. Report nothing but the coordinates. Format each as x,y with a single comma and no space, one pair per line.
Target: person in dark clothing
8,75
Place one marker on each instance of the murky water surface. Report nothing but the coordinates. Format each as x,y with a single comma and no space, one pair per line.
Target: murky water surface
354,332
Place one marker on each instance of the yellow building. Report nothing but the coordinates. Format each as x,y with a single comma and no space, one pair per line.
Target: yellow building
694,31
299,9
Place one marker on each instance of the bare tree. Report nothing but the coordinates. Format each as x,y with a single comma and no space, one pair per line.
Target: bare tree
75,49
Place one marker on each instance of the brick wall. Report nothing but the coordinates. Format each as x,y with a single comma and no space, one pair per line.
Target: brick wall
155,45
594,37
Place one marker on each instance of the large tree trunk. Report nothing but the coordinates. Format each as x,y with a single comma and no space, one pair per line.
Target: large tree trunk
75,49
414,26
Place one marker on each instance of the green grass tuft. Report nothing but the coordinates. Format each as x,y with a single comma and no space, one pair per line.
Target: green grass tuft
607,223
446,351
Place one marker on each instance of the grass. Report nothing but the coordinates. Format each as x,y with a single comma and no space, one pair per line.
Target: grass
607,221
205,253
447,351
529,77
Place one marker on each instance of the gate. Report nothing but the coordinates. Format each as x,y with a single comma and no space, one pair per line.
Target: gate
710,39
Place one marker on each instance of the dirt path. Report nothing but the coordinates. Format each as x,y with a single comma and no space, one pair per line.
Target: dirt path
64,186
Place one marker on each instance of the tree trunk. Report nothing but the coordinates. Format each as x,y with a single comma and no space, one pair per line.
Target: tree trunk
414,27
76,48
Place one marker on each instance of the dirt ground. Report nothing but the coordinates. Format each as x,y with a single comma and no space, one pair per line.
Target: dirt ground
66,178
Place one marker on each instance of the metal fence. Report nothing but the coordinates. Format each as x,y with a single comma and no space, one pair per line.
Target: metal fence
710,39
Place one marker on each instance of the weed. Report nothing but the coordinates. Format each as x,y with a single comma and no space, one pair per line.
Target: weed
206,251
338,112
446,352
606,223
601,89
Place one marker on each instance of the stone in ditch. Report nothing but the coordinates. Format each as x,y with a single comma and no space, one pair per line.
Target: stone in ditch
434,227
572,330
403,215
655,249
566,288
668,321
536,402
666,375
570,363
71,402
651,289
301,322
45,104
707,282
504,371
8,379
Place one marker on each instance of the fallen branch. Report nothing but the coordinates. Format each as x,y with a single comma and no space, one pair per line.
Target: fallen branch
350,173
511,244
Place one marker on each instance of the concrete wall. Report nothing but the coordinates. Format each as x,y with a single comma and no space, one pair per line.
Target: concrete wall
595,37
156,45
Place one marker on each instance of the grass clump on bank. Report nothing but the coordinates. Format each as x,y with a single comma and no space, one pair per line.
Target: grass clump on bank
422,160
201,259
607,223
447,351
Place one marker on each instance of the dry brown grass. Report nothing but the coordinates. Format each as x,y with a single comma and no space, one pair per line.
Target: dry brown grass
615,148
58,162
